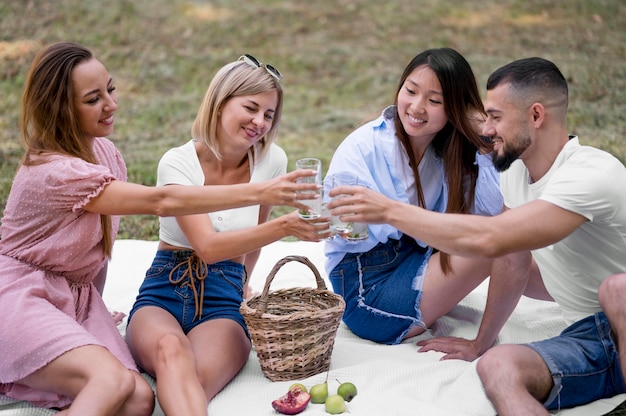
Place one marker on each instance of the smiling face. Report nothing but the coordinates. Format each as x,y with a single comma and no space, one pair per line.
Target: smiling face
420,105
95,99
506,126
246,119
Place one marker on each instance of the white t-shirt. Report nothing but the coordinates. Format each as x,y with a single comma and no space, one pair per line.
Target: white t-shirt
591,183
181,166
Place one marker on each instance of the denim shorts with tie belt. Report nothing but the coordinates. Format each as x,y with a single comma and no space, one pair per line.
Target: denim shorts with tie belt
382,289
173,283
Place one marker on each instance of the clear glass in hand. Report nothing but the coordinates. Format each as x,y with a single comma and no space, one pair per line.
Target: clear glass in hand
315,205
348,230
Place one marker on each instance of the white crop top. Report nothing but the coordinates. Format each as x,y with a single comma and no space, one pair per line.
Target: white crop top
181,166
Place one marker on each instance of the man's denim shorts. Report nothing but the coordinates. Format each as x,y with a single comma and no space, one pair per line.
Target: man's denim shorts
223,290
584,363
382,289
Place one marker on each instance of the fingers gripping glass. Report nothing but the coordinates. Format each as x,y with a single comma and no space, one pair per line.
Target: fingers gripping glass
252,61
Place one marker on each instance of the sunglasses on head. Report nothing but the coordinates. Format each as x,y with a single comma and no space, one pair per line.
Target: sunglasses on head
252,61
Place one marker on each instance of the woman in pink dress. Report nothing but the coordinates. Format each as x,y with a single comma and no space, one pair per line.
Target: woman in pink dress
59,346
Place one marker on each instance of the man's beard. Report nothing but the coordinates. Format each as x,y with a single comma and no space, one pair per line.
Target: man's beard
503,161
509,155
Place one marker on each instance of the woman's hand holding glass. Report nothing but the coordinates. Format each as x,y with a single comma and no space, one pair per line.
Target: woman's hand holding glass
288,190
306,229
350,230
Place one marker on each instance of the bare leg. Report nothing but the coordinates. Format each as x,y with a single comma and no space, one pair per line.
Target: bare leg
222,348
442,292
84,373
516,380
162,349
611,297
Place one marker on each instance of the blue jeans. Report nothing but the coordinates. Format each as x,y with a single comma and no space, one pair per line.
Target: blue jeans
584,363
223,289
382,289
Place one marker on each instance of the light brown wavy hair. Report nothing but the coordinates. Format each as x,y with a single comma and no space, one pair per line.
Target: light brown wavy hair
49,122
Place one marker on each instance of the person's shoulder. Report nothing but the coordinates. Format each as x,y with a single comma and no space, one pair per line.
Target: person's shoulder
178,153
183,149
590,156
274,156
276,151
103,145
374,132
64,169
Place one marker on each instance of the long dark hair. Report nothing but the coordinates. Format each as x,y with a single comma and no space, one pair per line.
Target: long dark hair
458,141
48,122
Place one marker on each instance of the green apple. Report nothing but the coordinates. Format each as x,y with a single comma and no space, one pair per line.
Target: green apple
347,391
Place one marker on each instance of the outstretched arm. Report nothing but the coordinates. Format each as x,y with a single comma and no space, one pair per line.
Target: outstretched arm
530,226
124,198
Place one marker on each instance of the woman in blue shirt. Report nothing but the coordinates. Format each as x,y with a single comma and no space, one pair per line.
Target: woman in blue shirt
424,150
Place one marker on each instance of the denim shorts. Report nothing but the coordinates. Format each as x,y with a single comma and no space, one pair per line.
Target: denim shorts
223,290
382,289
584,363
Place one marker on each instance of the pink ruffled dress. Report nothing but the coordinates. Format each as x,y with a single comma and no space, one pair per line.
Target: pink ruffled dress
50,253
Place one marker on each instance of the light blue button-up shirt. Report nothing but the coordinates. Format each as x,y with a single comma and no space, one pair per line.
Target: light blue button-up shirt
375,155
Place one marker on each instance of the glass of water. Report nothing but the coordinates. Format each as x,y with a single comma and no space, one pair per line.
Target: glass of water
349,230
315,205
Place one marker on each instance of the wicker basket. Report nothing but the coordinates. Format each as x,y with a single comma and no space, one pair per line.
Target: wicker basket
293,330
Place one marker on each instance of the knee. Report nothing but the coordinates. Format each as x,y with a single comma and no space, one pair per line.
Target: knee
121,383
611,290
491,365
143,399
172,348
138,397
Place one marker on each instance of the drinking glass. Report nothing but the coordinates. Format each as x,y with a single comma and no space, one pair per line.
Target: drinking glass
352,231
326,214
315,205
360,231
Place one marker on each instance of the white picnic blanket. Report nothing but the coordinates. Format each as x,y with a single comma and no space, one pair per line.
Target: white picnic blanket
391,380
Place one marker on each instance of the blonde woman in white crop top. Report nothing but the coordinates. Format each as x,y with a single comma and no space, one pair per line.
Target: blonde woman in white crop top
185,327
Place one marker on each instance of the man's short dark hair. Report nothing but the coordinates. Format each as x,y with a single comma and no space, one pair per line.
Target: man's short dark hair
531,75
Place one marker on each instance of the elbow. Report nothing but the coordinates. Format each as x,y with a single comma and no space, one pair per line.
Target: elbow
163,211
487,246
209,253
164,205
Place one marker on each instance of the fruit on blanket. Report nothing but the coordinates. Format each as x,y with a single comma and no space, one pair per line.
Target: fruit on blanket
347,390
293,402
335,404
298,385
319,392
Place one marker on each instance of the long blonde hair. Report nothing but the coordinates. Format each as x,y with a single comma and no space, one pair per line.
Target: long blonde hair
234,80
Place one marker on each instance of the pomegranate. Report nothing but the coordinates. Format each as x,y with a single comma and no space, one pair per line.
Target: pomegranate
293,402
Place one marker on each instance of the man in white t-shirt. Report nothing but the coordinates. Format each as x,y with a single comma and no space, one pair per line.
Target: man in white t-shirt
561,237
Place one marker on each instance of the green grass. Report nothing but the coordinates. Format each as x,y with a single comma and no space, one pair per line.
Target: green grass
341,60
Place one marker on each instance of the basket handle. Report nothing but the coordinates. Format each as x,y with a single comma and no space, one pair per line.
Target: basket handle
262,305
